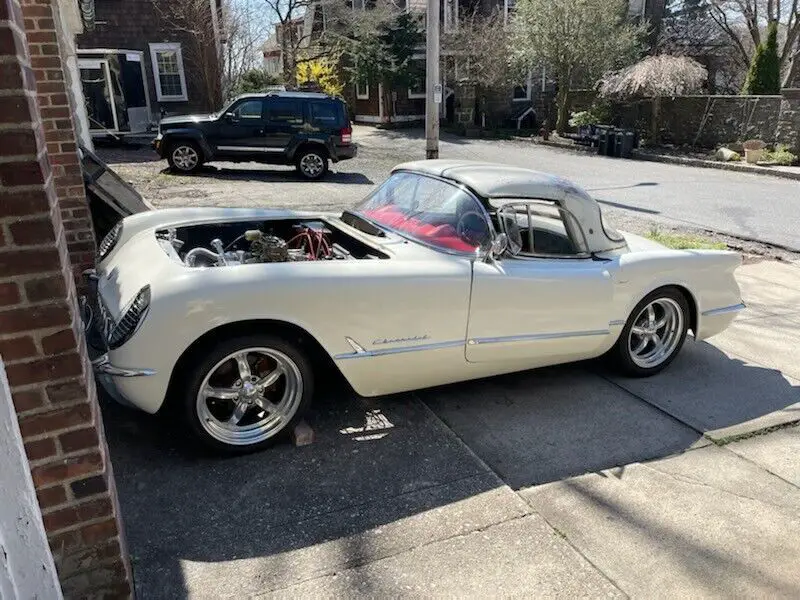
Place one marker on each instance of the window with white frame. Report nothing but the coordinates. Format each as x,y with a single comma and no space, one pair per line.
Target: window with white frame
168,73
417,88
362,89
522,93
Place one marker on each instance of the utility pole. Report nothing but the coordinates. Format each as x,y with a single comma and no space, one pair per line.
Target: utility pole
433,85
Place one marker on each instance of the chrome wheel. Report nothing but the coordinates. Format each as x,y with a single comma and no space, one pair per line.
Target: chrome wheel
312,165
249,396
185,158
656,333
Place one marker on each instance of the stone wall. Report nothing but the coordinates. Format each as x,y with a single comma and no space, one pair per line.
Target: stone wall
709,121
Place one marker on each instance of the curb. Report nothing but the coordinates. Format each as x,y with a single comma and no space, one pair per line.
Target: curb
710,164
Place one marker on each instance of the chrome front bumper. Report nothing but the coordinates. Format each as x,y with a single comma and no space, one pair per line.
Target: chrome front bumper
102,366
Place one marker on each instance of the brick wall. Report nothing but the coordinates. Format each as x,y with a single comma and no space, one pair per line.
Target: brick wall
41,338
56,106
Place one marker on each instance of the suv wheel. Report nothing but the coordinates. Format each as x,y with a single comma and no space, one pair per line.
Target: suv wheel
312,164
185,157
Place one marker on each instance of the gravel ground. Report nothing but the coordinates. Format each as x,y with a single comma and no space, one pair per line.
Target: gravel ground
633,207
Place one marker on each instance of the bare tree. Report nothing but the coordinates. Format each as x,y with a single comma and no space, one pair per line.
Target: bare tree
202,50
245,34
745,23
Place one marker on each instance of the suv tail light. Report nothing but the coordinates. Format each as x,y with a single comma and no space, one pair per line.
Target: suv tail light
347,135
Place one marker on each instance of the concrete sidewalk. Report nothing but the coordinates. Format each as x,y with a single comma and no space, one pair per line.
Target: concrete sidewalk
558,482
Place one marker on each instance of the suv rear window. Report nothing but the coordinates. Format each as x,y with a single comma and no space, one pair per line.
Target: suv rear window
326,114
284,110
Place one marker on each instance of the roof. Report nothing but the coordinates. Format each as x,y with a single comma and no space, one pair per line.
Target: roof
281,94
502,184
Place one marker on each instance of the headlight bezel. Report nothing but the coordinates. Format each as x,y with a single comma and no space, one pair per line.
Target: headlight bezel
131,319
109,242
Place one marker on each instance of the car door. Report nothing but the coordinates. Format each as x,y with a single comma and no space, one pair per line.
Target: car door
284,120
240,131
543,302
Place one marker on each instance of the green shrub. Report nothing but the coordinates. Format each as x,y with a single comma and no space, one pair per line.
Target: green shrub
598,113
781,155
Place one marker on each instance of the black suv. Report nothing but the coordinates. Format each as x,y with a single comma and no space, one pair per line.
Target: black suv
304,129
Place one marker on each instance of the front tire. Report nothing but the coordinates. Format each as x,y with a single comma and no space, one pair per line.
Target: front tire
246,393
653,335
312,164
185,157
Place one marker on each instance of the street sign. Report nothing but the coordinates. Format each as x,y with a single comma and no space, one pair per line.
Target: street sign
437,93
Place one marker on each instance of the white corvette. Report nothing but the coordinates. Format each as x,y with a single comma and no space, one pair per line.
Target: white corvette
449,271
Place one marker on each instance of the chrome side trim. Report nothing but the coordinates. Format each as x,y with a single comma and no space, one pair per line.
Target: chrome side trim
402,349
103,366
251,148
617,323
355,345
724,310
533,337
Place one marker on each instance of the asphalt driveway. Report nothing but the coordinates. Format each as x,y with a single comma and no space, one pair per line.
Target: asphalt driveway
556,482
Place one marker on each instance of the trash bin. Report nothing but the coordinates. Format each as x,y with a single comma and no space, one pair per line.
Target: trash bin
603,139
627,143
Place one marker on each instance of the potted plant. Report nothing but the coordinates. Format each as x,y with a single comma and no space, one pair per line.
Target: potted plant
754,151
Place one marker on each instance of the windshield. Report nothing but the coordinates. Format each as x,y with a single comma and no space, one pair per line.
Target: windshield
429,210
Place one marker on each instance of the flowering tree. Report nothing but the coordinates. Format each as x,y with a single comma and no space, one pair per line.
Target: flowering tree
655,76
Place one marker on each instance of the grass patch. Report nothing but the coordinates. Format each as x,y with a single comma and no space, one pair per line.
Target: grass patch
684,241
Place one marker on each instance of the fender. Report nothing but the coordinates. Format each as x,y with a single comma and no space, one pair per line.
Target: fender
187,133
309,141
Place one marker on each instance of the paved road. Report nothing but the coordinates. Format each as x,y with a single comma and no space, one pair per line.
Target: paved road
755,207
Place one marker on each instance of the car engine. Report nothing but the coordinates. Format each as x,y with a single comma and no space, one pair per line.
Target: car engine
309,242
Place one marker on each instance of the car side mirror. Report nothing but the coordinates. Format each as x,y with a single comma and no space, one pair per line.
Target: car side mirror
498,246
230,117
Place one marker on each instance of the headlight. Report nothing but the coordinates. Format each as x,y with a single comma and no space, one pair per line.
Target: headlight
130,320
108,243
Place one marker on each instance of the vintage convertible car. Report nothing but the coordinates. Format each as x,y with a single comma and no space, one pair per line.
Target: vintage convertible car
448,271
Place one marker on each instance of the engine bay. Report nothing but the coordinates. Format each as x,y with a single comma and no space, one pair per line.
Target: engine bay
250,242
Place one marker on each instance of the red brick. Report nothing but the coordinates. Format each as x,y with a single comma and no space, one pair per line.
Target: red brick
45,288
34,317
68,468
80,439
59,342
9,294
67,391
17,348
25,400
72,225
45,62
58,100
37,11
95,509
14,109
22,262
98,532
21,173
52,367
46,24
56,420
25,203
70,147
33,232
77,560
60,519
11,75
40,449
41,37
55,112
52,496
96,484
14,143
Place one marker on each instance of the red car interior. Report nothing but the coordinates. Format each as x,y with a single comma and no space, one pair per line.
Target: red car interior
443,236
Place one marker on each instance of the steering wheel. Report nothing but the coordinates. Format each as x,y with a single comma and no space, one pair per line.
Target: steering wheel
472,228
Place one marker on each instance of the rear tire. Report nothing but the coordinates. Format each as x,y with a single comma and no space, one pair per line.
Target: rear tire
653,335
246,393
312,164
184,156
